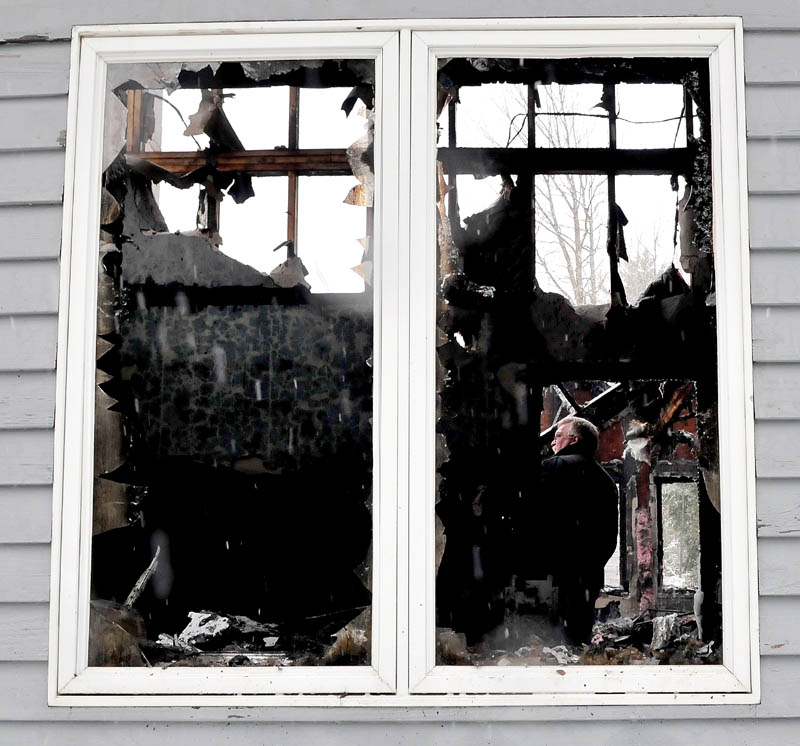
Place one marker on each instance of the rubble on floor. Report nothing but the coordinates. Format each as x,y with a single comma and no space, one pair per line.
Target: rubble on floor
646,639
667,639
211,639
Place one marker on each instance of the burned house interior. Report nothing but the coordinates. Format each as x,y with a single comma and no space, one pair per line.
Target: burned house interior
233,459
550,306
233,412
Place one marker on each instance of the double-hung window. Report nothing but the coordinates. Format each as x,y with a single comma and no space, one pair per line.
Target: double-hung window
335,297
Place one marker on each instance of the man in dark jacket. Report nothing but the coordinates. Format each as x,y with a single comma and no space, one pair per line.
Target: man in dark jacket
582,502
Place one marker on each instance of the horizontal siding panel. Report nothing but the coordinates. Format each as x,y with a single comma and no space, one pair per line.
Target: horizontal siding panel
34,69
36,177
778,507
775,337
777,454
56,23
33,124
778,563
773,111
771,58
23,687
27,515
23,632
26,457
29,287
30,232
28,342
27,400
773,166
25,573
383,732
777,391
780,632
775,277
775,221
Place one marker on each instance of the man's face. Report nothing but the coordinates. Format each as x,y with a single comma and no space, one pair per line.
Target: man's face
563,437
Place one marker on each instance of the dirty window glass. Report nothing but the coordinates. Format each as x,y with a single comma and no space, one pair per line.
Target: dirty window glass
577,507
233,417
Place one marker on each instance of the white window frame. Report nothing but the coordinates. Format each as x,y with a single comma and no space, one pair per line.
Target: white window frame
404,671
93,51
718,40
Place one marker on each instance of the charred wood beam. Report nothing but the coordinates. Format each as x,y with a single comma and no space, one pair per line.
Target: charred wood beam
492,161
675,471
294,144
600,410
673,408
133,132
568,397
478,161
463,72
254,162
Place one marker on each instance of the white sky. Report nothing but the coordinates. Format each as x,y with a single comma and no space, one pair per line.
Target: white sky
328,231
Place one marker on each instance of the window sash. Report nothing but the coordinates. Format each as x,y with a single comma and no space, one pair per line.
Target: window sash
403,670
74,455
739,671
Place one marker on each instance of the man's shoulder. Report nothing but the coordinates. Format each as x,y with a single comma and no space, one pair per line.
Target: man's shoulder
564,461
577,463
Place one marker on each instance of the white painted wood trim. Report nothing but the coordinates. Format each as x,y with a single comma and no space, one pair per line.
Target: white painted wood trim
411,701
422,369
387,366
404,362
422,24
577,680
198,47
269,680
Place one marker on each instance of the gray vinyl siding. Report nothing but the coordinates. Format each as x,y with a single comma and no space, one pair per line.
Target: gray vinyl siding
33,88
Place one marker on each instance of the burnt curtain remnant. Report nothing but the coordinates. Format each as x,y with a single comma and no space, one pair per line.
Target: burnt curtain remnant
233,457
576,333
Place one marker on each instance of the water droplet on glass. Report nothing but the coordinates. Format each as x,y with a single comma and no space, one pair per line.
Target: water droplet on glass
182,304
219,363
